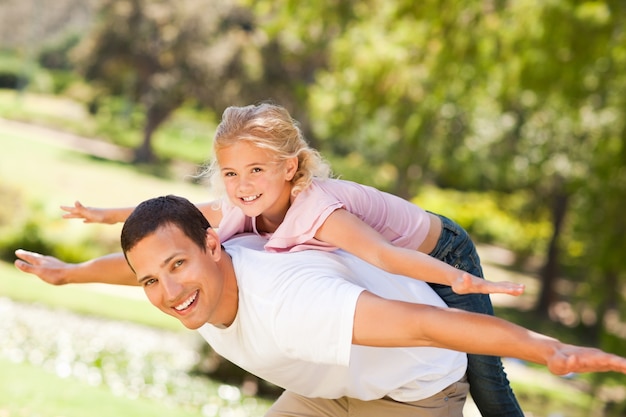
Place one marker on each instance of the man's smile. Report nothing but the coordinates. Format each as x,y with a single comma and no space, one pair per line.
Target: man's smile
185,304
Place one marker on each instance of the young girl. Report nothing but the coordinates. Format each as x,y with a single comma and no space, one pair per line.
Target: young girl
279,187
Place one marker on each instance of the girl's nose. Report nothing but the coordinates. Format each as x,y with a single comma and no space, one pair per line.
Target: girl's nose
244,183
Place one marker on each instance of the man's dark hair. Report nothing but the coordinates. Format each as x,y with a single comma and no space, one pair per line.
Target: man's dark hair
161,211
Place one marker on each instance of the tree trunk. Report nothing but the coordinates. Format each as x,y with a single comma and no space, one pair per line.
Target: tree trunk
610,293
155,115
550,270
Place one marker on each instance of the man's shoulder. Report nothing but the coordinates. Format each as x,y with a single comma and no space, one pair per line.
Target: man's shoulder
246,241
250,259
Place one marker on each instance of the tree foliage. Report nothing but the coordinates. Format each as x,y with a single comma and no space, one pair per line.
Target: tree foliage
507,96
159,54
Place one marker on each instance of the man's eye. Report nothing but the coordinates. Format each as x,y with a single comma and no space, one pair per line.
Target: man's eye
149,282
178,263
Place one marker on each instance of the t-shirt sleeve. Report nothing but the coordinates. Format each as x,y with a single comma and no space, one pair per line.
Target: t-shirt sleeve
307,214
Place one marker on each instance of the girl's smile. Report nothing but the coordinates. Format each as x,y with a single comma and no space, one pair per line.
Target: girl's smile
251,198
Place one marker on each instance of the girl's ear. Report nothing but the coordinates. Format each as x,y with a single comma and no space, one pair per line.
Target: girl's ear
291,167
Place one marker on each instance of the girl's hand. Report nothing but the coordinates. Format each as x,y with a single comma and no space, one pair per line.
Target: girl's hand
88,214
469,284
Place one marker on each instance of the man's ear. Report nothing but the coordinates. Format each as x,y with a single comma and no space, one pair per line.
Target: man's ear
213,244
291,167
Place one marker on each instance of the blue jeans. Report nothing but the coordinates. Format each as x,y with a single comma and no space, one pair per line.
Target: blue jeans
489,385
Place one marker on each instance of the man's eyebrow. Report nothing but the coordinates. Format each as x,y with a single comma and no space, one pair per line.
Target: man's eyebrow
165,262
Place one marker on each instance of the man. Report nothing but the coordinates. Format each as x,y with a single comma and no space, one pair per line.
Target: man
309,321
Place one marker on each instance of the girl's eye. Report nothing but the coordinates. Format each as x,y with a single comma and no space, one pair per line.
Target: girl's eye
256,169
229,174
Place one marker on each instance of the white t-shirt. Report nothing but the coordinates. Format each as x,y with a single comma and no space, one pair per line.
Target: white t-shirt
294,327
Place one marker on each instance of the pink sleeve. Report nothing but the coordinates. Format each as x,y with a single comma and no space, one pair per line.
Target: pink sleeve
233,221
307,214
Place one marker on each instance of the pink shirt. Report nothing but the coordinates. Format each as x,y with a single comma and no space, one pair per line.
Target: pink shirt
401,222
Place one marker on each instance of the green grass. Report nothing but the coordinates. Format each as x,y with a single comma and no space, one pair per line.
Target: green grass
45,171
29,391
187,126
570,402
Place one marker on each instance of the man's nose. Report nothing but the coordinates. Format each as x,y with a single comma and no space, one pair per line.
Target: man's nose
171,288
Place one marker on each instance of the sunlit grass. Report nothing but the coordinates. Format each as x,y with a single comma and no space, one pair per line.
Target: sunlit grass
187,134
29,391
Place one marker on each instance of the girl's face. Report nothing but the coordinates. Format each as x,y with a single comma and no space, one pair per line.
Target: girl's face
256,181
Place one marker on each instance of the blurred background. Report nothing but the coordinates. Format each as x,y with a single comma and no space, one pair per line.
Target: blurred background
508,116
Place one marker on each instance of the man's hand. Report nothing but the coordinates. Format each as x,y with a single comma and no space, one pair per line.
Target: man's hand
48,268
569,358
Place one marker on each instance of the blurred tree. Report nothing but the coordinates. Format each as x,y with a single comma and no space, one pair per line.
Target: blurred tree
600,225
160,53
561,63
396,83
294,46
479,95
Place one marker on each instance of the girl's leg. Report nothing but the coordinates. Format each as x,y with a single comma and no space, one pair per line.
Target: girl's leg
489,385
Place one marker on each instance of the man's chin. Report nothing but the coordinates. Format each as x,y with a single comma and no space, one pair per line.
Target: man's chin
192,326
186,322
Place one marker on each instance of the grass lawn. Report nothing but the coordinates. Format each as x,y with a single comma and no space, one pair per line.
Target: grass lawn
32,159
29,391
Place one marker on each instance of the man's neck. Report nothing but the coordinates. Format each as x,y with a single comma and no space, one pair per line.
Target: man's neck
229,299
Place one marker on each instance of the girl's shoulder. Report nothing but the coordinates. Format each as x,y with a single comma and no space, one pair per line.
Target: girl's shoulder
351,194
339,187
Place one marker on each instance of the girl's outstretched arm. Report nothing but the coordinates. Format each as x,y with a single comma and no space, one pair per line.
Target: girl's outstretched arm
95,214
112,215
346,231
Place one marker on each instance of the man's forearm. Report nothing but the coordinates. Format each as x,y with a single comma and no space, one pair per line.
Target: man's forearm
388,323
109,269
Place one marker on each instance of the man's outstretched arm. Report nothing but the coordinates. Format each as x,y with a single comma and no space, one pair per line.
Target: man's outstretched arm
109,269
388,323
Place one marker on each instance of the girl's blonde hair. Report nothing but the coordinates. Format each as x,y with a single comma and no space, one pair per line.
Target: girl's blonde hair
271,127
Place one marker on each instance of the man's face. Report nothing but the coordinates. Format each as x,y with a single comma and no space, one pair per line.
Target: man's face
178,277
